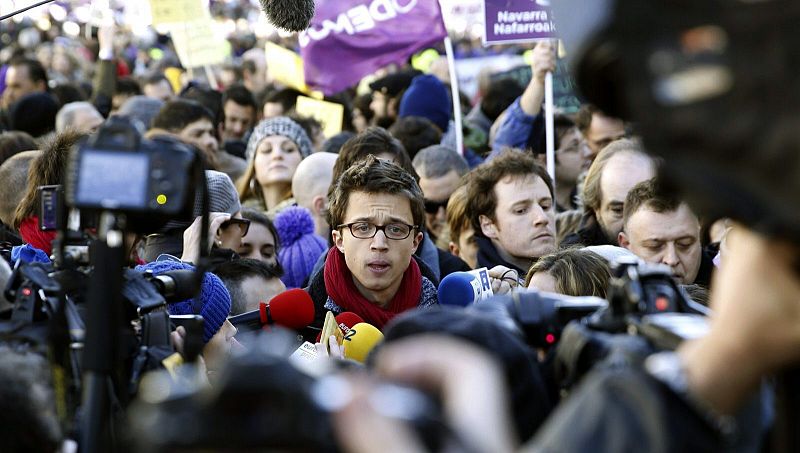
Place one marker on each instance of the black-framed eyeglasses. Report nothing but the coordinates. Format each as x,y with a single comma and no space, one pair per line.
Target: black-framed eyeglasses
243,224
432,207
367,230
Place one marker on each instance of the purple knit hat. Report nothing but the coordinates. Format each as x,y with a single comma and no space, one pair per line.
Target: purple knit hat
300,247
215,301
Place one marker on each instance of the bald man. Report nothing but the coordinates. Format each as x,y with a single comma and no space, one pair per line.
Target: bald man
310,187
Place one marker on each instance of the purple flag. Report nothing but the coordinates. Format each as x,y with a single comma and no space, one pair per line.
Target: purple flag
517,21
349,39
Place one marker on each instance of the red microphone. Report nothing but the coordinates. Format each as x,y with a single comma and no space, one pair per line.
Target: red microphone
345,321
293,309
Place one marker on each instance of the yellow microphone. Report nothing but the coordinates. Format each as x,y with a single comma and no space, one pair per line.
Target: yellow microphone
360,341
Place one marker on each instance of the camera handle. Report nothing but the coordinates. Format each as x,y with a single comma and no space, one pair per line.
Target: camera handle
103,318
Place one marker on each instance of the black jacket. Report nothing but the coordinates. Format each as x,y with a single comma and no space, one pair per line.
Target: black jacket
589,233
488,256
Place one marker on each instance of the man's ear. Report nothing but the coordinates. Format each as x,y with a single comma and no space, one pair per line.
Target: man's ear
417,242
337,240
454,250
318,205
488,228
622,240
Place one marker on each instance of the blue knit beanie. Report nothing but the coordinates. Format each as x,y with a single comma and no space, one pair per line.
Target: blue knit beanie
427,97
300,247
215,301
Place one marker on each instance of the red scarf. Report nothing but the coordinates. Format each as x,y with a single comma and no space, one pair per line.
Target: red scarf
341,288
31,234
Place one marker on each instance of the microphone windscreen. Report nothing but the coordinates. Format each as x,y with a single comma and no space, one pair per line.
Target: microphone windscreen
346,320
293,309
459,289
360,341
290,15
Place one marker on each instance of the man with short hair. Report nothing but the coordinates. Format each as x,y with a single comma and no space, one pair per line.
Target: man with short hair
310,185
599,129
440,169
659,228
619,166
194,124
239,108
511,206
249,282
158,87
377,211
81,116
24,76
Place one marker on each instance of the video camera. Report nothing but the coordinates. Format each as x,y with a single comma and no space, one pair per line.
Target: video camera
645,311
98,321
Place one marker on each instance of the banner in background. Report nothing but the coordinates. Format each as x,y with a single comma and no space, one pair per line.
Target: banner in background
564,87
197,44
175,11
329,114
285,66
349,39
508,21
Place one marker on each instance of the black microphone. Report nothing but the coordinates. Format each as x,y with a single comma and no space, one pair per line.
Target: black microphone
176,285
290,15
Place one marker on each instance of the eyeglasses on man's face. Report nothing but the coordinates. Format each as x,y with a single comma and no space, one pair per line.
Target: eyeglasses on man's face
366,230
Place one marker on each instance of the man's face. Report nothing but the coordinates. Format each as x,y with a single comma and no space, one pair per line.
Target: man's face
260,289
467,248
272,110
378,263
19,84
238,120
622,172
525,226
572,157
671,238
201,134
602,131
87,120
437,191
160,90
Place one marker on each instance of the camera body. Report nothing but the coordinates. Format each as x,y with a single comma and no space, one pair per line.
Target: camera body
148,181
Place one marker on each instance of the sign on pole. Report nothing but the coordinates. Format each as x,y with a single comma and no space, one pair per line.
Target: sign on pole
508,21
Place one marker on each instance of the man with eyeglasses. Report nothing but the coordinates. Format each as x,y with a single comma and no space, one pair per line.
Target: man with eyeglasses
377,212
440,169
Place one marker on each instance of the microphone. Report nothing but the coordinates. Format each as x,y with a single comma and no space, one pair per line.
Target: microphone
290,15
360,340
345,321
293,309
465,288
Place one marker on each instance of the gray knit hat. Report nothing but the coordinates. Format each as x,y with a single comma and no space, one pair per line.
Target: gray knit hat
222,195
280,125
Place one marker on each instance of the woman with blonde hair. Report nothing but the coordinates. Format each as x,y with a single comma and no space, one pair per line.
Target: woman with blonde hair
275,149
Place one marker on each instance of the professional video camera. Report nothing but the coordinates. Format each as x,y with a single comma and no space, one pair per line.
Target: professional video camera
99,322
645,311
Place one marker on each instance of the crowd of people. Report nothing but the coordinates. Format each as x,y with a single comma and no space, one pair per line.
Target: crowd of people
369,221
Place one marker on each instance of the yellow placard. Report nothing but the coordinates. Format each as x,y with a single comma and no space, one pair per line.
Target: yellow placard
174,11
197,44
285,67
330,114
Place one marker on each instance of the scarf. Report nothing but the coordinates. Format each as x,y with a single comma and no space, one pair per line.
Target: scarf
341,288
31,234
